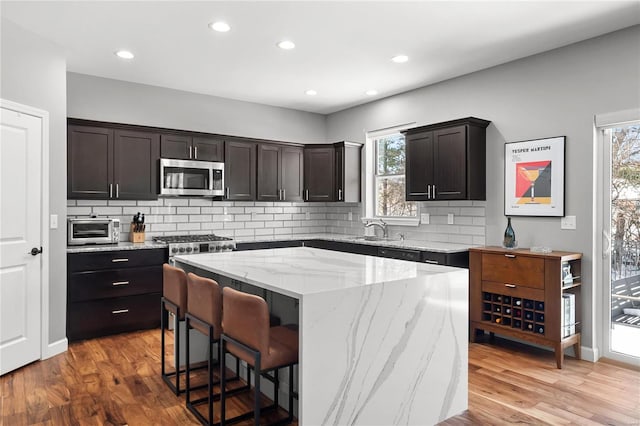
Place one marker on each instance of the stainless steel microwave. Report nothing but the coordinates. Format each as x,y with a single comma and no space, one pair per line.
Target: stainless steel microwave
187,177
93,230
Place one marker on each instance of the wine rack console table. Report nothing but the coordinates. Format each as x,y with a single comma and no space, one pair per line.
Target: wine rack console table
531,296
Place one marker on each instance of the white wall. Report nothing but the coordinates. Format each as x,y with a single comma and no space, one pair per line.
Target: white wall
34,74
104,99
551,94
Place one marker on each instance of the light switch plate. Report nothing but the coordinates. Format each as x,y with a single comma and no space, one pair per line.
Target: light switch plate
568,222
53,221
307,215
350,215
450,218
425,218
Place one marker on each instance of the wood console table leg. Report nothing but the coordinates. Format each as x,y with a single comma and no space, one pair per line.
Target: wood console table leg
559,349
577,348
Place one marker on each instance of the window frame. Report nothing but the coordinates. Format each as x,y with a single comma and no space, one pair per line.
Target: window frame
371,178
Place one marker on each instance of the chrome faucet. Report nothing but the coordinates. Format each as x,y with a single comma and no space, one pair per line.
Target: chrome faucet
382,225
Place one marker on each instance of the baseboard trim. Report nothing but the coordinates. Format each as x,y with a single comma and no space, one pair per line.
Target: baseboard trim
55,348
589,354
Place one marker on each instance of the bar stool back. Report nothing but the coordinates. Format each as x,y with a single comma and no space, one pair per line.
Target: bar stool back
174,300
247,335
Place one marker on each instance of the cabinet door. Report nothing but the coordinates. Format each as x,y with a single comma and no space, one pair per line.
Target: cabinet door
292,173
176,146
135,170
269,166
89,162
240,170
419,165
319,174
450,158
208,149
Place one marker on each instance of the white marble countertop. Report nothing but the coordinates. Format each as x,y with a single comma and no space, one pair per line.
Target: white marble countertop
300,271
115,247
357,239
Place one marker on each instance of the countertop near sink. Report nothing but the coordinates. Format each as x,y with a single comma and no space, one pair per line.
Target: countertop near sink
401,244
115,247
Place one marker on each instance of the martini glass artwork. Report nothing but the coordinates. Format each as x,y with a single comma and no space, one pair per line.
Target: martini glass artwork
530,174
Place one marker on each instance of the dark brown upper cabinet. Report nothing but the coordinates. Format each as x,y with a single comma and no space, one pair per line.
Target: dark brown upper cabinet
280,172
319,173
240,170
332,172
446,161
186,147
348,159
106,163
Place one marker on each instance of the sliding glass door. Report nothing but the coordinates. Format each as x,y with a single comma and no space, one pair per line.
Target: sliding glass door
621,241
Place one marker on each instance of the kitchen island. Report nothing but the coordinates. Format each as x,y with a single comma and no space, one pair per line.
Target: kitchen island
382,341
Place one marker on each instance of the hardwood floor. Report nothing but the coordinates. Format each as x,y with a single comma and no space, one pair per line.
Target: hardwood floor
116,380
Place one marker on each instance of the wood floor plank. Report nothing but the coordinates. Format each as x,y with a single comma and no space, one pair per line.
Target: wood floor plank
116,380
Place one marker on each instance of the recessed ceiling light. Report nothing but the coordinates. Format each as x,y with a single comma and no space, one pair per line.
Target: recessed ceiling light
371,92
286,45
400,59
124,54
220,26
311,92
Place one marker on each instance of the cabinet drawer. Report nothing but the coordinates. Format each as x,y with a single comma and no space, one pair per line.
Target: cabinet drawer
116,259
109,316
412,255
517,291
115,283
513,269
434,258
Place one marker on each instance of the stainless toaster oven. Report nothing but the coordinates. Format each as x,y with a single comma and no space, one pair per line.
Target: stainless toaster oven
93,230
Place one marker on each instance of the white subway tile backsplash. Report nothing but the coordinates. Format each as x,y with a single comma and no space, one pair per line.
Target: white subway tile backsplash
106,211
175,202
122,202
188,226
175,216
91,202
200,218
79,211
200,202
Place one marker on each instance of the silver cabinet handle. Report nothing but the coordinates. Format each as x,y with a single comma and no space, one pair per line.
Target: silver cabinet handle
510,285
339,194
123,259
511,256
195,152
451,192
120,283
110,190
434,192
117,190
226,191
428,191
120,311
306,195
433,262
279,194
190,153
284,194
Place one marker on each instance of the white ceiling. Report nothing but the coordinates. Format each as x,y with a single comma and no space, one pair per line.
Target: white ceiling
342,48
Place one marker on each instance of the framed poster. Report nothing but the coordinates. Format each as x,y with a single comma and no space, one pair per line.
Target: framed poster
534,177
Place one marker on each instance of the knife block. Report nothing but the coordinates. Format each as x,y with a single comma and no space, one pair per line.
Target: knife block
135,237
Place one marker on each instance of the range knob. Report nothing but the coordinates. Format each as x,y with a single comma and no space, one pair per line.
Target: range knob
189,249
174,250
181,249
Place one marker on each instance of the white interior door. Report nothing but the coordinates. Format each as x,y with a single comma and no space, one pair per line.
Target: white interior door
20,231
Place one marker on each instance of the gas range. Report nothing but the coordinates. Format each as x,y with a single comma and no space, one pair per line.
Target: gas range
192,244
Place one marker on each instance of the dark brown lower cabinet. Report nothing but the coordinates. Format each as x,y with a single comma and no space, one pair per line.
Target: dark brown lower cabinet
112,292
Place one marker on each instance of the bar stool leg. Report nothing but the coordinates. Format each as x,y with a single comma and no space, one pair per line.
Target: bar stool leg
223,382
256,388
290,418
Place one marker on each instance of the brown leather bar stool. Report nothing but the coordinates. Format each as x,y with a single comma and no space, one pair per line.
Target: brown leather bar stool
174,300
204,314
246,333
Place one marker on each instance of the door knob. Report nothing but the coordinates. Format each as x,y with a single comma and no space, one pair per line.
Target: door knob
35,251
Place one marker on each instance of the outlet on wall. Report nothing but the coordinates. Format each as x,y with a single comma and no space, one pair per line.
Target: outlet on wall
568,222
307,215
450,218
425,218
53,221
350,215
